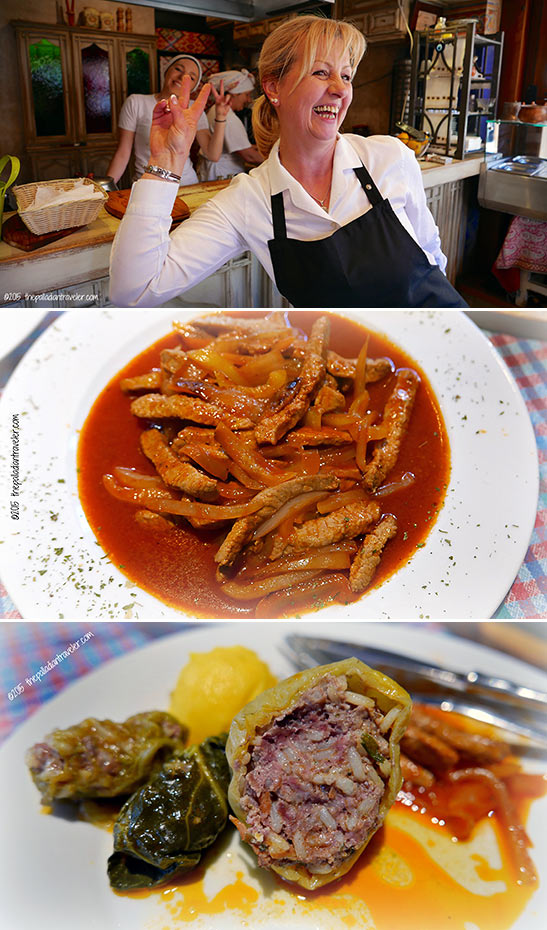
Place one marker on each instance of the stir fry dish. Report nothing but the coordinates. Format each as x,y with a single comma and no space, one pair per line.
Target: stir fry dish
459,777
283,457
315,764
163,829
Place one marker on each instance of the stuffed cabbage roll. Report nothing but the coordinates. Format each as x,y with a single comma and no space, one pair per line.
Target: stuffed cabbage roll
315,768
163,829
101,758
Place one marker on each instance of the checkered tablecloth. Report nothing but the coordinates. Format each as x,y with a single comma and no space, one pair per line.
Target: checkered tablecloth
527,361
28,648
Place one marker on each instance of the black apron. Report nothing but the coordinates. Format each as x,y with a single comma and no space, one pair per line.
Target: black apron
371,262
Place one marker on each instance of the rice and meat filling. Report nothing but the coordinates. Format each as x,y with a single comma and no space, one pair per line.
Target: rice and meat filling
312,790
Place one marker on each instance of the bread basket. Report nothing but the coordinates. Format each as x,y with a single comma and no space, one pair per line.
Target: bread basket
59,216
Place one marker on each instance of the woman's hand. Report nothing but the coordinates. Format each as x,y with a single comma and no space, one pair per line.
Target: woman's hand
174,125
222,100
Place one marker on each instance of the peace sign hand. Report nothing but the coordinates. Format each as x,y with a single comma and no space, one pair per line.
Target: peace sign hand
174,125
222,100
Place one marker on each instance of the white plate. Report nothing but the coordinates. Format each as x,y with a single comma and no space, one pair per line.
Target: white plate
16,326
54,870
53,567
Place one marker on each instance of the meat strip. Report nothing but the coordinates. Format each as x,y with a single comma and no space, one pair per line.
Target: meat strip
329,400
153,521
427,749
368,558
472,748
191,434
150,382
271,500
157,407
326,436
172,359
219,323
346,523
173,472
377,368
415,773
272,428
397,414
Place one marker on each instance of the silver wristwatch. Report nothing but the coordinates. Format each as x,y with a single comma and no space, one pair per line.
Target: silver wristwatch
162,173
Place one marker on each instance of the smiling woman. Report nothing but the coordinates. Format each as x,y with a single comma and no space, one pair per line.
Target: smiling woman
136,117
336,220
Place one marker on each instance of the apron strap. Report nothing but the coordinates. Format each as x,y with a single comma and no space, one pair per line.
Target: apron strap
368,186
278,216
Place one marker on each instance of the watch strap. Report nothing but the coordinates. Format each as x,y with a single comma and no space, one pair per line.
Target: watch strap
162,173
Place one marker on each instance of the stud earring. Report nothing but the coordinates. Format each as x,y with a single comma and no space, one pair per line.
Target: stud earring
274,101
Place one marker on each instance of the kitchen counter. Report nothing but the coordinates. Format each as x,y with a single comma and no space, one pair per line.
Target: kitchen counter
434,174
73,271
80,258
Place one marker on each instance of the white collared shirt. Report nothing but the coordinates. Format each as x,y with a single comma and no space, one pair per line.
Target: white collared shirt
149,267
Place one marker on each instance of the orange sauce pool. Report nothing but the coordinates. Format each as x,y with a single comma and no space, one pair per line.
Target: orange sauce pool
412,876
178,566
396,885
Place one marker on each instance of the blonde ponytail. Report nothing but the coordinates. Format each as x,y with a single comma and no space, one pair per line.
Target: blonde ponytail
265,125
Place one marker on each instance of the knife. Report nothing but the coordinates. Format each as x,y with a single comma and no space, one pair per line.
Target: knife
499,698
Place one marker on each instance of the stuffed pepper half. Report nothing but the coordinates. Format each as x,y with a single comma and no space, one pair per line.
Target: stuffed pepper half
315,768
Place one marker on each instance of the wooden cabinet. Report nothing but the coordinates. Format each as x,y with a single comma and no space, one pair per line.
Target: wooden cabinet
74,81
379,22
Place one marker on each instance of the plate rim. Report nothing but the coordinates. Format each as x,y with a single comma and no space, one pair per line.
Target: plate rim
196,636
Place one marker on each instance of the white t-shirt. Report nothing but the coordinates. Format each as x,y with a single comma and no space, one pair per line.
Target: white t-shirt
136,116
235,139
149,267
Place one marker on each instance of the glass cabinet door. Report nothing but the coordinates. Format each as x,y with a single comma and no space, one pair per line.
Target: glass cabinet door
138,67
44,54
95,78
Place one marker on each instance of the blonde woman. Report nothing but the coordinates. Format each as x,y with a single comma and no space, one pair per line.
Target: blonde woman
336,220
135,121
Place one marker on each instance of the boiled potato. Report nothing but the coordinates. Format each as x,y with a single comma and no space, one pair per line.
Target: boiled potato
214,686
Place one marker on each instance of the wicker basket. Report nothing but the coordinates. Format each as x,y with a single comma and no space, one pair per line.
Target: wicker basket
63,215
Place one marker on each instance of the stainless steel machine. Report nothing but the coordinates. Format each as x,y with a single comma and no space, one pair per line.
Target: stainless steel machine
513,176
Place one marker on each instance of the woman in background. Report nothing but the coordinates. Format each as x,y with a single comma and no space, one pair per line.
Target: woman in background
237,150
135,121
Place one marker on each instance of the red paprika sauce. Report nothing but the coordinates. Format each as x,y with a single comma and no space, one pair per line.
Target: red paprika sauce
177,566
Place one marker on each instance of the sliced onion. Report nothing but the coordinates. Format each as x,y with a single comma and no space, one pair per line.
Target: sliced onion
516,834
314,593
289,511
264,586
329,558
340,499
405,482
360,379
131,478
206,512
249,459
144,497
340,420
